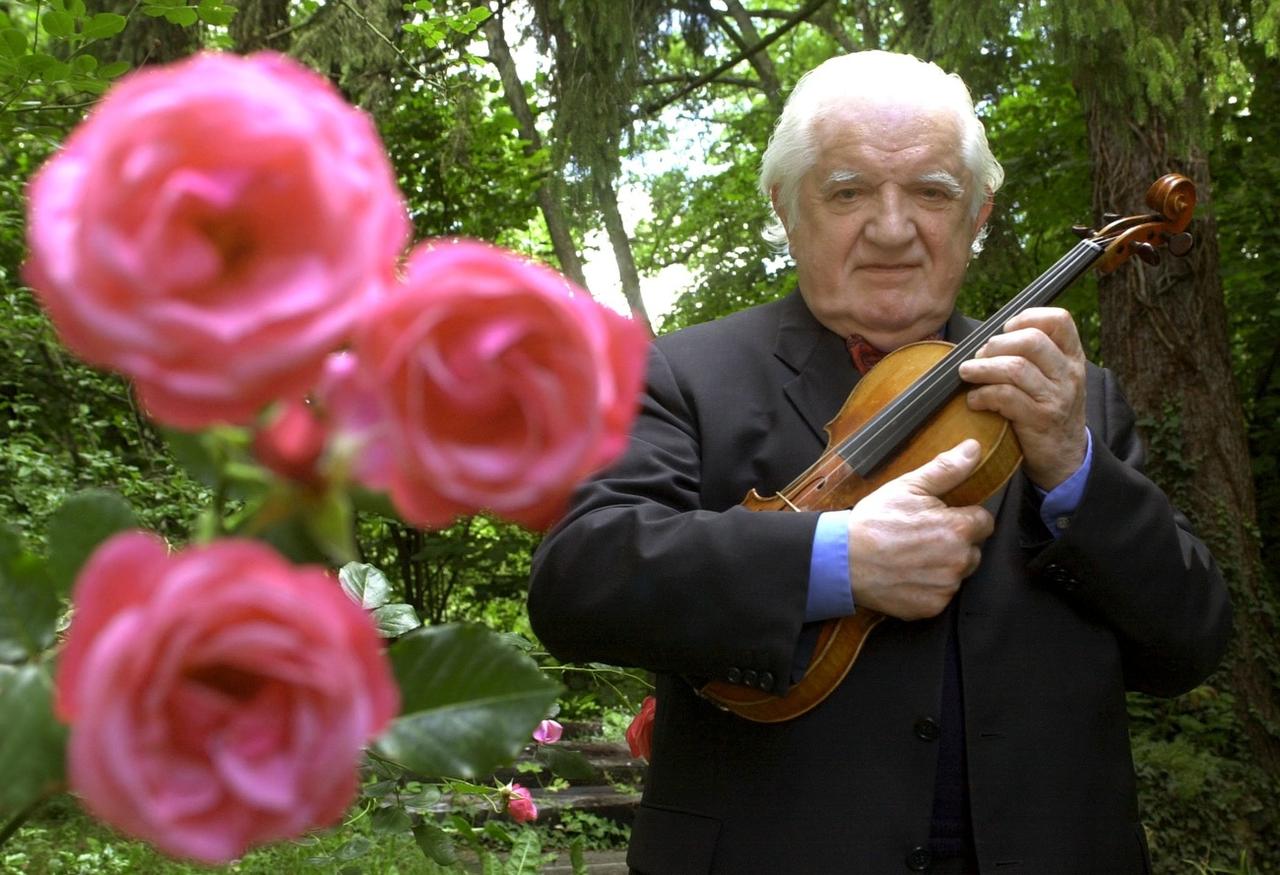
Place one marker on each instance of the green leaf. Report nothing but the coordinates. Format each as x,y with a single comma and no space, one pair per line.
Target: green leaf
526,854
36,62
195,451
490,864
84,64
353,849
103,25
395,620
435,843
32,741
215,12
12,42
498,832
77,8
568,764
56,72
469,702
111,71
28,602
577,855
367,586
57,23
78,526
390,821
479,13
183,16
330,521
221,16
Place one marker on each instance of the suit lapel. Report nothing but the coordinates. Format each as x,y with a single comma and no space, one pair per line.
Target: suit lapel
824,374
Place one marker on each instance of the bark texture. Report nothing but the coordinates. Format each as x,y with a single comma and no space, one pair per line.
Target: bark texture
1164,333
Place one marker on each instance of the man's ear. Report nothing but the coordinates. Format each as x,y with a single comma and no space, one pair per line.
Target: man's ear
984,212
777,206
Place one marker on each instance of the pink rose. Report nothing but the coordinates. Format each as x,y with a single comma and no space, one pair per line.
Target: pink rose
520,804
292,442
548,732
640,732
212,230
219,697
504,384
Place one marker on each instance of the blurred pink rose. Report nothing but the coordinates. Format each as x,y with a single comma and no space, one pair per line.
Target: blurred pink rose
212,230
292,442
640,732
520,804
505,385
548,732
219,697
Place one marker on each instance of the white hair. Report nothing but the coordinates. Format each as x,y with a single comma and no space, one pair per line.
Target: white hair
873,75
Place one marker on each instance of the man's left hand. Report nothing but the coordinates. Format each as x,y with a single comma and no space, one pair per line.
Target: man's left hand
1034,375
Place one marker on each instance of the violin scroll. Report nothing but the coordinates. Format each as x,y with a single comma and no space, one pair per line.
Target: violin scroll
1172,197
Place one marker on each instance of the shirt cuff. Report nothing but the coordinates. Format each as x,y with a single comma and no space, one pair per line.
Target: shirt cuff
830,594
1061,502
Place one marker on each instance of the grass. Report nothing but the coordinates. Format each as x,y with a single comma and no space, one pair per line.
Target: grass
61,838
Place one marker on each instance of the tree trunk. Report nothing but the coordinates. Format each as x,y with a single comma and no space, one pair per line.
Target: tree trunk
145,40
1164,333
608,202
549,199
261,24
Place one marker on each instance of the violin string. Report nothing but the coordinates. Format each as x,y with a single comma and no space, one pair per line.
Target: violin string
867,448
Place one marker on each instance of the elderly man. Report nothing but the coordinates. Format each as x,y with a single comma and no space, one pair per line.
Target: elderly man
983,726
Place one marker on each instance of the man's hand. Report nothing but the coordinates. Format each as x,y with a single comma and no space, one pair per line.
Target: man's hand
1034,376
908,551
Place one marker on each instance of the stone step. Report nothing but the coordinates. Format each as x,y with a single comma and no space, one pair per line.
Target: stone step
612,762
602,800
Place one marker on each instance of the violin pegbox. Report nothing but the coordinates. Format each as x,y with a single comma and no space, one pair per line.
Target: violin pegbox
1172,198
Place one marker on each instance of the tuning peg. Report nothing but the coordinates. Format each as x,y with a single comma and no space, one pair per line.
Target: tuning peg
1147,253
1108,218
1082,231
1181,243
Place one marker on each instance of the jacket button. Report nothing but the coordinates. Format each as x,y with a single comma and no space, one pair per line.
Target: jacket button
766,680
734,675
749,677
919,859
1059,575
927,729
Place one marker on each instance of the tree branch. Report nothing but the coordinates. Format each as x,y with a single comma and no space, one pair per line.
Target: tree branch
796,19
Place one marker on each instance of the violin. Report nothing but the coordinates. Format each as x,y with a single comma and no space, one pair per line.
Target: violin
910,407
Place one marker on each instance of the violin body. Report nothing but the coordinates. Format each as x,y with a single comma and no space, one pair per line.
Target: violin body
829,484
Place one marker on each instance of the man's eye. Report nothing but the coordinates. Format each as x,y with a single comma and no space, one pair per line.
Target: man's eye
846,194
933,194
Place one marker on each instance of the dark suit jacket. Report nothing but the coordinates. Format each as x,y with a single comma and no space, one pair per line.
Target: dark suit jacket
657,566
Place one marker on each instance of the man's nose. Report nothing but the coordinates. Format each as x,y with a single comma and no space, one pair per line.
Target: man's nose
893,223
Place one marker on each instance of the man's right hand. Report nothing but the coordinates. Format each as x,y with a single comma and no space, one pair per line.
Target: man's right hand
908,550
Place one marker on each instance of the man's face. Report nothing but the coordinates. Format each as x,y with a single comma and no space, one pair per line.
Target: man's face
883,226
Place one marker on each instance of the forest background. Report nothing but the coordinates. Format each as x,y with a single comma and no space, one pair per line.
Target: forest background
629,132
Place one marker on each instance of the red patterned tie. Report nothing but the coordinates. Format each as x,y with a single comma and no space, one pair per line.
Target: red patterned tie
865,356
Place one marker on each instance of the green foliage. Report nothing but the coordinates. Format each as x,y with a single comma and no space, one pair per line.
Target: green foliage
183,14
461,163
31,740
434,28
76,528
369,588
28,601
469,702
1202,802
60,838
